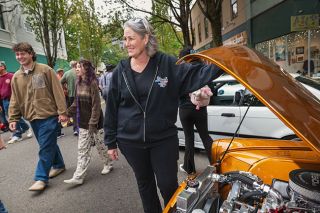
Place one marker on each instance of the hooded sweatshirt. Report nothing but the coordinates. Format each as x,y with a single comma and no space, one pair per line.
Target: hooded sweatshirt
141,122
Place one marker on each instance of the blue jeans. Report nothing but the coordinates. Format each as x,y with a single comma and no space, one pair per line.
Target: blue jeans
45,130
21,127
2,208
3,115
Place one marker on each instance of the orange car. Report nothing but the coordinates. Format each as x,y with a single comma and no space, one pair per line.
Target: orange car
259,175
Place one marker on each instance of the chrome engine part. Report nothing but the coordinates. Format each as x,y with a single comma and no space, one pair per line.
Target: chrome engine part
200,194
248,193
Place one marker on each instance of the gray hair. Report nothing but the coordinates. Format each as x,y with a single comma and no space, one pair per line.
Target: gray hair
73,64
143,28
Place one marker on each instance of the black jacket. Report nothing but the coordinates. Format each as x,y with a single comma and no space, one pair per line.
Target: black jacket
127,122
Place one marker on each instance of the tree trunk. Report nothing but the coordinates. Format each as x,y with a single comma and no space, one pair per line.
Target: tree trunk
46,34
212,10
216,32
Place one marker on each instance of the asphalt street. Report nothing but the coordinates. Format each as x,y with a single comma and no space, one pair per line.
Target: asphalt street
114,192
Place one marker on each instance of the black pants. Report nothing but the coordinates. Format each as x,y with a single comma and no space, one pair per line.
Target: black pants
189,118
70,101
158,162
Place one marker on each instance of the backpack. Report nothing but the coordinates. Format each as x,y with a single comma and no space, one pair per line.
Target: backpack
105,84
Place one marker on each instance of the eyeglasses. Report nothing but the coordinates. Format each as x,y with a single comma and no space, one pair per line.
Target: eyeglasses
137,20
144,22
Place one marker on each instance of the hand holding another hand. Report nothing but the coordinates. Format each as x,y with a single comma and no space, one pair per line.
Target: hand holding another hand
63,118
12,126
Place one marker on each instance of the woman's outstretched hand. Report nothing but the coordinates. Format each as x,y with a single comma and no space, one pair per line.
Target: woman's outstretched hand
201,97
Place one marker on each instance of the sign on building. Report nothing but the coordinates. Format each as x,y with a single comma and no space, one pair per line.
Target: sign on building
304,22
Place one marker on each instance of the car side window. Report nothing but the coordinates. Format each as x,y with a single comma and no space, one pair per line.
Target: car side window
231,93
223,94
247,98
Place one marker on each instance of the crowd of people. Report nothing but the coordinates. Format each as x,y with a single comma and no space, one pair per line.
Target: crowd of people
142,96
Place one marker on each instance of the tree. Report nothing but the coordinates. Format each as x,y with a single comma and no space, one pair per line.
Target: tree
179,9
47,18
85,34
212,10
92,34
170,41
113,54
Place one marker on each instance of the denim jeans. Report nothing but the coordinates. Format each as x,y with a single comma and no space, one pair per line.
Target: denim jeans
21,127
2,208
45,130
3,118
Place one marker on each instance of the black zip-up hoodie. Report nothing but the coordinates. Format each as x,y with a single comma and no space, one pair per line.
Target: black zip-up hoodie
126,121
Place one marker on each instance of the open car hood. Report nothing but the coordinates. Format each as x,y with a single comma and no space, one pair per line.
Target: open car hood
274,87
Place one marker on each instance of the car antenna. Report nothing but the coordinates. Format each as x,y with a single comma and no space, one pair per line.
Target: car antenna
218,163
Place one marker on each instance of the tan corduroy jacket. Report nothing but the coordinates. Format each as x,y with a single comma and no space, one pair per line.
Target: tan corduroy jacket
36,95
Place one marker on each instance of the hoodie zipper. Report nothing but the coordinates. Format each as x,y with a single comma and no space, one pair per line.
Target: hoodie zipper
134,98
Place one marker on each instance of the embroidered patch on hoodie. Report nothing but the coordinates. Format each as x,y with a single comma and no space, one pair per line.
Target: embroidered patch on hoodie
162,82
38,81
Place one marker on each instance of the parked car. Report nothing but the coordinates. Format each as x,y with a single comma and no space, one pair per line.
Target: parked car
257,174
226,111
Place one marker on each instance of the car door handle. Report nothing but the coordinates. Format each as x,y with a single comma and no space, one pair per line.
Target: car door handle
228,115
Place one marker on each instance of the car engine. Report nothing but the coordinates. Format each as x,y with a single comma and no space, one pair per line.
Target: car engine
249,194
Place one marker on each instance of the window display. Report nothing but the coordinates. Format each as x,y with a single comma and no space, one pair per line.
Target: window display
290,51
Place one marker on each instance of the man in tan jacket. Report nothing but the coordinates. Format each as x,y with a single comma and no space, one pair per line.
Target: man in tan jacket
37,95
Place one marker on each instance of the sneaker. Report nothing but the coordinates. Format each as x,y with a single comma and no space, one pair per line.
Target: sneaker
29,133
61,135
74,181
14,139
55,172
106,169
75,133
182,169
38,186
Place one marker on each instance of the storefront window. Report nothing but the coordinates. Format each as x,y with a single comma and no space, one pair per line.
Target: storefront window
291,51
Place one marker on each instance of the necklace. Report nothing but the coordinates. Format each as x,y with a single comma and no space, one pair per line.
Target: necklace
139,67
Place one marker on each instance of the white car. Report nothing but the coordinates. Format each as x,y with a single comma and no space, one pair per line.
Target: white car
227,108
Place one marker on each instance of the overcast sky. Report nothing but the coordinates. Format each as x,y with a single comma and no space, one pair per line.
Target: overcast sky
143,4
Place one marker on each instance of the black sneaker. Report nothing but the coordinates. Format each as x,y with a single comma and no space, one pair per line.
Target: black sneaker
75,133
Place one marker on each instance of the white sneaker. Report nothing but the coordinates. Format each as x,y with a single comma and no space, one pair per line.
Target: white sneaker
29,133
182,169
106,169
14,139
74,181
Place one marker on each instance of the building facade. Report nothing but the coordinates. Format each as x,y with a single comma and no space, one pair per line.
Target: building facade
14,28
286,31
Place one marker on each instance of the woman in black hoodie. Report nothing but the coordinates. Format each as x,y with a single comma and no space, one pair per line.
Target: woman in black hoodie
141,111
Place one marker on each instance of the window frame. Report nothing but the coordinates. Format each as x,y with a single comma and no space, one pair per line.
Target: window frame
232,4
206,28
199,33
27,28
